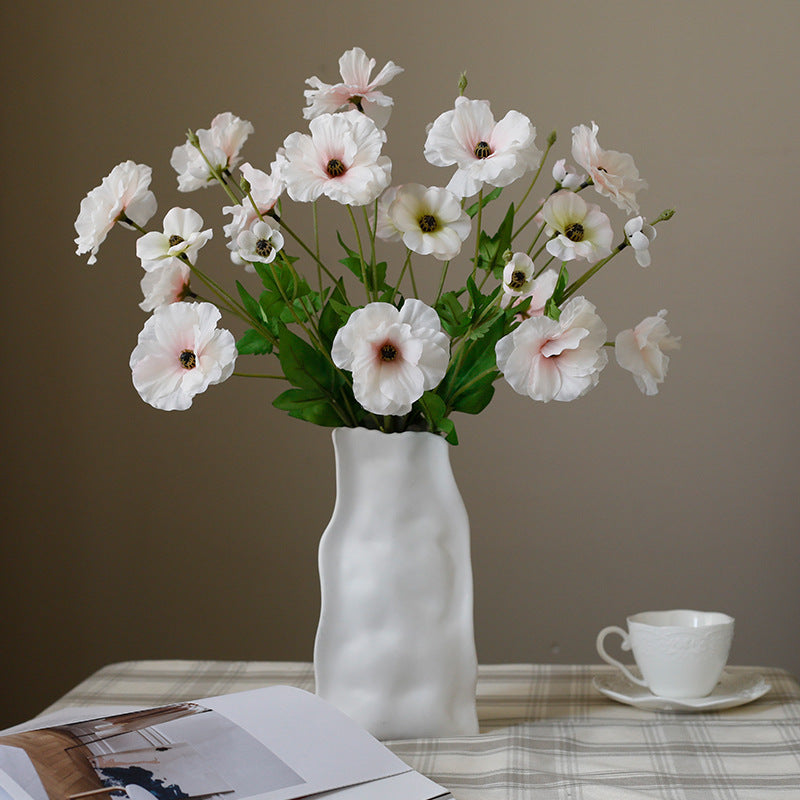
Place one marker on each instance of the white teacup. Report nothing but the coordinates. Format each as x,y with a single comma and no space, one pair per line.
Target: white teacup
680,653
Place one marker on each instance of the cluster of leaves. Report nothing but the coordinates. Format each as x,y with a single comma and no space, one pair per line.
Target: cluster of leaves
322,393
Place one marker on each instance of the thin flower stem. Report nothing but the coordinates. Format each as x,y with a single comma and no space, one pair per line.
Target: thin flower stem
544,266
478,227
364,277
214,171
302,244
536,238
411,275
316,244
259,375
550,142
402,273
538,252
526,223
370,231
445,267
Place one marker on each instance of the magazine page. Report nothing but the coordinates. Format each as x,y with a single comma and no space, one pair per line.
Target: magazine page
276,743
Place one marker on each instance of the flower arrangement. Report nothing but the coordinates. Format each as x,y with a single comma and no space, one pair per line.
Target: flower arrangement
385,360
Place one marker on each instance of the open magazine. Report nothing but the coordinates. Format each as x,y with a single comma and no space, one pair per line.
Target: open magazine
276,743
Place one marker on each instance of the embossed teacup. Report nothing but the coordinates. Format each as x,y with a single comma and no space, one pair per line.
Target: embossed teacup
680,653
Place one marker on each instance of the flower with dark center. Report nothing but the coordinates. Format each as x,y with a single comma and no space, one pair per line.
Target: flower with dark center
574,232
335,168
263,248
175,239
188,359
482,150
428,223
388,352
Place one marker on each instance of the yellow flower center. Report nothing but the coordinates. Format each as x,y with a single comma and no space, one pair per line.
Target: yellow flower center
335,168
574,232
188,359
482,150
428,223
517,279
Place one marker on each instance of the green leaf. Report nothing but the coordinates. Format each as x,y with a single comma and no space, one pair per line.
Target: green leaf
253,343
455,320
552,310
493,195
309,405
250,304
477,396
435,411
334,314
304,366
491,248
561,285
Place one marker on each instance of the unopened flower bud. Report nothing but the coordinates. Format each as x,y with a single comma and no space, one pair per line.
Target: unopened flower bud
551,139
244,185
191,137
462,83
507,256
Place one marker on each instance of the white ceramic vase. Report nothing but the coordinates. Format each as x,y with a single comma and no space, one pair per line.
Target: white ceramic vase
395,647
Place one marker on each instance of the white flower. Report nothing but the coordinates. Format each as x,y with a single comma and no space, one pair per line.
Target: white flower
484,151
518,274
123,193
181,353
565,176
259,243
220,144
583,230
394,355
540,290
614,174
181,236
430,220
549,360
642,351
340,159
355,89
168,283
385,228
640,234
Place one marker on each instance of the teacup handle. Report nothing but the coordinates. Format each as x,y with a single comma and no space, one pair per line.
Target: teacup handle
626,645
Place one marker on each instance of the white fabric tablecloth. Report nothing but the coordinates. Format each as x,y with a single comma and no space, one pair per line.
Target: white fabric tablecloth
546,732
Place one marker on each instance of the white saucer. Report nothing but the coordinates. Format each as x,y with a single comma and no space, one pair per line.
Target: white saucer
733,689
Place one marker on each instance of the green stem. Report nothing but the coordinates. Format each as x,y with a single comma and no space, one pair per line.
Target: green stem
445,267
214,170
411,275
406,264
272,213
260,375
364,277
316,245
478,226
550,142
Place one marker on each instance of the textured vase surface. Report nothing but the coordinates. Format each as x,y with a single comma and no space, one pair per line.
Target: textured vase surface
395,646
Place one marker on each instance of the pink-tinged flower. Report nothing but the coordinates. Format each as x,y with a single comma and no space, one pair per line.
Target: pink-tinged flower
220,144
180,353
430,220
394,355
385,228
639,235
259,243
182,236
484,151
581,229
167,283
614,174
519,284
549,360
123,193
340,159
642,351
356,88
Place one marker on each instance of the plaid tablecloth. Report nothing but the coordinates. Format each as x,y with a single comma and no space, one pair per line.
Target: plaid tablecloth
545,733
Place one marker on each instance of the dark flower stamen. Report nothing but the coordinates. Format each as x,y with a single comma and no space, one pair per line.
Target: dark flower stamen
574,232
335,168
482,150
175,239
428,223
388,352
263,248
188,359
517,279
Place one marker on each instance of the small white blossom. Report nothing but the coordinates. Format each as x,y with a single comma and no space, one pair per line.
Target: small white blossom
539,290
356,88
640,234
565,176
124,192
614,174
583,230
180,353
484,151
340,159
182,235
431,220
518,274
168,283
220,144
642,351
385,228
549,360
259,243
394,355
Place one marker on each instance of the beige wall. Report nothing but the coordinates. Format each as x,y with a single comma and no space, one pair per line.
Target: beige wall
130,533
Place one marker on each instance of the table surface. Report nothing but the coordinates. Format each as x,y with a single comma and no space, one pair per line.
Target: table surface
546,732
